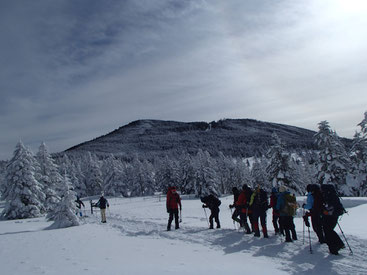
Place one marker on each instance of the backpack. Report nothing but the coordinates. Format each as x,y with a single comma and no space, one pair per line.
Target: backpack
290,205
331,200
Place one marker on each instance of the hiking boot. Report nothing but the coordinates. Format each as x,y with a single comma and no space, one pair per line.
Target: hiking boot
266,235
218,225
257,234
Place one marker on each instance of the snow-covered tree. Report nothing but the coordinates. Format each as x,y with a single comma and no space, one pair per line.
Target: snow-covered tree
65,212
166,174
185,174
279,169
50,177
22,193
94,179
206,181
357,179
113,171
333,158
259,175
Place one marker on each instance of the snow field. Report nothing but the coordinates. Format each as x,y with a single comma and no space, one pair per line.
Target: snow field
134,241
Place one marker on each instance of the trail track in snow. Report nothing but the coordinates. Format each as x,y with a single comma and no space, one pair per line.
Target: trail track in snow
295,257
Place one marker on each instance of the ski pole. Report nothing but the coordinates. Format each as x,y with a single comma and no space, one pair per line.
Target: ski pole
309,238
180,215
206,216
350,249
303,214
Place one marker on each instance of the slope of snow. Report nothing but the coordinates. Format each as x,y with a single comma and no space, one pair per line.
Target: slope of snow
134,241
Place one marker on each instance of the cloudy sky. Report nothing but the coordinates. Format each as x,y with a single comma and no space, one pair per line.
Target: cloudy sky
74,70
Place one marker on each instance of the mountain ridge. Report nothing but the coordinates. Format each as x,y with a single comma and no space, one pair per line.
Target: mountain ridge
235,137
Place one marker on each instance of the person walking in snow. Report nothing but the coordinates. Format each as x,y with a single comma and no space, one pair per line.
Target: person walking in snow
275,215
79,205
237,209
287,206
102,203
213,203
173,203
259,204
332,209
314,206
246,211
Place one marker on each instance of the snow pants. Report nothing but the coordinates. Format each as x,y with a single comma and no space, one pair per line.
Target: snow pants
173,213
276,224
214,215
262,216
317,226
289,228
331,237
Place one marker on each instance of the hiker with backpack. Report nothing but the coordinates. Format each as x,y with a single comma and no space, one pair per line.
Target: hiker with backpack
275,218
102,203
332,209
314,206
173,203
237,209
213,203
287,206
259,204
243,203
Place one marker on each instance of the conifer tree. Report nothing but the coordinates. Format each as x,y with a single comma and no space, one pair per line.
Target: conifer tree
333,159
358,176
22,193
113,171
185,174
206,181
65,212
50,178
94,179
279,169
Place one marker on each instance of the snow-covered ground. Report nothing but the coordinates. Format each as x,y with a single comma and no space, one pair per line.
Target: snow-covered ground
134,241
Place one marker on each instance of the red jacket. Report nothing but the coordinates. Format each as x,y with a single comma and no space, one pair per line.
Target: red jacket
173,200
273,203
242,202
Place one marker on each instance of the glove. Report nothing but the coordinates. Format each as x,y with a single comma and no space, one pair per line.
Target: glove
307,223
204,206
231,206
167,210
303,205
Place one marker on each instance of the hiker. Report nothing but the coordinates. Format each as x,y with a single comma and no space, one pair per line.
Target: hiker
243,204
213,203
79,205
332,209
275,215
102,203
259,204
237,209
287,205
314,206
172,203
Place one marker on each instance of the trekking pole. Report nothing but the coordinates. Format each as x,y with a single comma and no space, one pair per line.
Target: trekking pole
350,249
303,215
206,216
180,216
309,238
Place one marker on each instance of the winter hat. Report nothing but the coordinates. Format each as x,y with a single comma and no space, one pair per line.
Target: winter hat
282,189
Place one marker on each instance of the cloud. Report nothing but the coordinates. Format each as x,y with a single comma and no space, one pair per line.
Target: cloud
76,70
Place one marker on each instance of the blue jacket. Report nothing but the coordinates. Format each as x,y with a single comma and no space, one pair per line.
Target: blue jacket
309,202
281,202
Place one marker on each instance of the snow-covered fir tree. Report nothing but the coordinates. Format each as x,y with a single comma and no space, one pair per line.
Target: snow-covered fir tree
50,178
357,179
166,174
65,212
333,159
259,175
185,174
279,169
206,181
113,172
23,194
94,179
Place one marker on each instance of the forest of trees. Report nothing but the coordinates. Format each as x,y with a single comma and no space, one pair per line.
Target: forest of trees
34,185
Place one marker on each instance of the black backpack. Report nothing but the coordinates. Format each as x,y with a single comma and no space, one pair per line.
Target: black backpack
331,200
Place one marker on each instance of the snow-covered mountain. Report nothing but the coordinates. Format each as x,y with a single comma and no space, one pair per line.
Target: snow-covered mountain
233,137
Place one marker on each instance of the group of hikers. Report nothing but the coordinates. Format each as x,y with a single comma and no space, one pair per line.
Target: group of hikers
250,206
